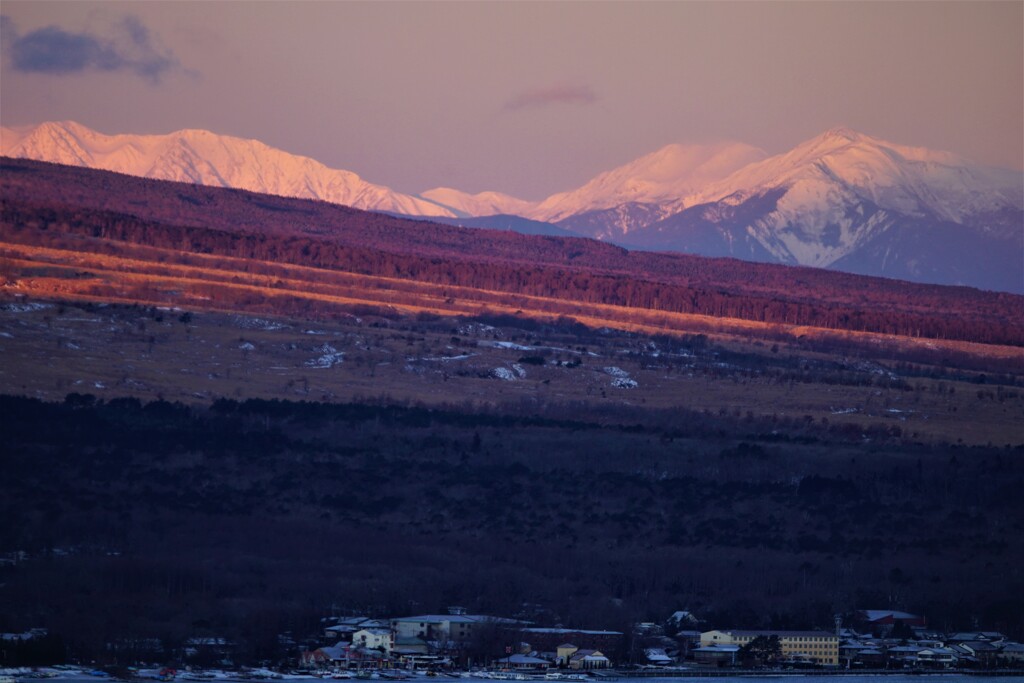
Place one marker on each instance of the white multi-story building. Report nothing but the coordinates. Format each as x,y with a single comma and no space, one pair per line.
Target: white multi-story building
374,639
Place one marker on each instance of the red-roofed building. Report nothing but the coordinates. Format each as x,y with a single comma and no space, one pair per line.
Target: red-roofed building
883,621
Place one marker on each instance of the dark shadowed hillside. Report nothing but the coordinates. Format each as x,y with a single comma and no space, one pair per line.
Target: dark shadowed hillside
252,513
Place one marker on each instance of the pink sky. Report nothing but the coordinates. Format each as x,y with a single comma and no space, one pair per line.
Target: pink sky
525,98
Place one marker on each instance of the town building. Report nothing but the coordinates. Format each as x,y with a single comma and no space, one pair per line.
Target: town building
563,652
882,621
523,662
657,656
819,647
1012,654
937,657
343,628
374,639
717,655
549,639
585,660
457,626
342,655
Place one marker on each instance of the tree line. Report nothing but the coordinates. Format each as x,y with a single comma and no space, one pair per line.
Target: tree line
932,314
245,519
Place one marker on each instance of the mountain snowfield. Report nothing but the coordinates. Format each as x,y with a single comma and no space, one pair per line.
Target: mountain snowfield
896,177
858,203
842,200
823,172
203,158
672,172
464,204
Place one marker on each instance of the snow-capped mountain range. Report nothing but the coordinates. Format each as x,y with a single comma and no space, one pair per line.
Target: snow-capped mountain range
842,200
203,158
848,201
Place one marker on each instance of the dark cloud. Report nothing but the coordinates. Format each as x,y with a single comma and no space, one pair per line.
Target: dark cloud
555,94
52,50
8,34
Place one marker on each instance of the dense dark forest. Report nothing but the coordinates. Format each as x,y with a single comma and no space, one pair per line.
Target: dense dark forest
44,201
125,521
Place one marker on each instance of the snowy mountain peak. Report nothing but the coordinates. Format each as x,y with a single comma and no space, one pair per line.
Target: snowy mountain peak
205,158
671,172
481,204
848,200
911,180
842,133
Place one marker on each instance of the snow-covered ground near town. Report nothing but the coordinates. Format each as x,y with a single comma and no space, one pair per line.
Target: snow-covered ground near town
248,323
329,357
508,345
620,378
522,347
445,359
17,307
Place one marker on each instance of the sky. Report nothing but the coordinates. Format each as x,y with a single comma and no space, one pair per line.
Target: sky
528,98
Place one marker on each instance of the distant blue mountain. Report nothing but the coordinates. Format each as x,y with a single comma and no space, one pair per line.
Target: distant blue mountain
518,224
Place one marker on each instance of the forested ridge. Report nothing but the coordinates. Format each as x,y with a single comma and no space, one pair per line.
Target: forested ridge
255,515
42,202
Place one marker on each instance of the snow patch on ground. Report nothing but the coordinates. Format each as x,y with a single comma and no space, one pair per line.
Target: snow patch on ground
474,328
7,335
25,308
257,324
503,374
620,378
445,359
521,347
875,369
509,345
247,346
329,357
519,370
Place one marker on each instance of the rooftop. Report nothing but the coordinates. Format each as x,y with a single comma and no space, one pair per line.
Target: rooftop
876,614
455,619
572,631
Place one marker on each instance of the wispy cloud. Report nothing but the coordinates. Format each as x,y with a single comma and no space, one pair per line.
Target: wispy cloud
52,50
554,94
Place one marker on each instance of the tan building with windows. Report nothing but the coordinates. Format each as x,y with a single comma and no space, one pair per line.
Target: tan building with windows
564,652
821,647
